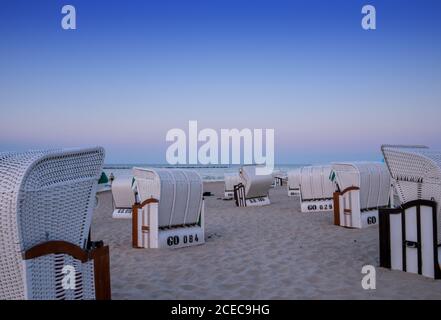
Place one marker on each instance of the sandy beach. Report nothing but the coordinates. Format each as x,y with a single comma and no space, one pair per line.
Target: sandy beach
271,252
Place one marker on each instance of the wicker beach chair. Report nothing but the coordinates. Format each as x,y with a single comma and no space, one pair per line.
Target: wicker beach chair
316,189
279,177
46,204
363,188
254,189
409,233
170,208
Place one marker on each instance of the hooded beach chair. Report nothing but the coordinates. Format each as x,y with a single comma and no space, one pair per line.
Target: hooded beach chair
46,203
231,180
123,198
362,188
294,182
410,233
253,189
169,212
279,177
316,189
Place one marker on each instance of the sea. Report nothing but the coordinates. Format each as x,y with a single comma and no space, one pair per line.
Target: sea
207,172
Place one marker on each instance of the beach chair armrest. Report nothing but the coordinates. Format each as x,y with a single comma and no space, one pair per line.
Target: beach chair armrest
137,206
97,252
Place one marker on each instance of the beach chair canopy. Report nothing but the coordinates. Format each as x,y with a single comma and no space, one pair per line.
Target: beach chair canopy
315,183
372,178
122,192
231,179
179,193
294,178
255,185
46,196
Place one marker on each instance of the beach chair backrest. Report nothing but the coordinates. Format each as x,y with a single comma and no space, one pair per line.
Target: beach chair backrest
315,183
231,180
122,192
45,196
416,171
255,185
179,193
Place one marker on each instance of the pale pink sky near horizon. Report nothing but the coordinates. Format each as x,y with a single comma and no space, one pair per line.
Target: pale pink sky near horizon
329,89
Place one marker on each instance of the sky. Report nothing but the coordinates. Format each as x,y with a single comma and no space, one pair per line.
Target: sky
132,70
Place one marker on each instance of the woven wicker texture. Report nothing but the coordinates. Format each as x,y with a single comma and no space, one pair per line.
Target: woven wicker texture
416,171
179,193
45,196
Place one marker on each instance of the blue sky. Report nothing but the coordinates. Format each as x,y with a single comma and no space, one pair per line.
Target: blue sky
135,69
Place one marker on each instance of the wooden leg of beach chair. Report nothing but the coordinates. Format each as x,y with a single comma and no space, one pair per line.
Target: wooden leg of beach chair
101,263
336,202
135,209
145,224
385,236
154,225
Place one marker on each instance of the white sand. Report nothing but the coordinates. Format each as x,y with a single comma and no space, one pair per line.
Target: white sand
272,252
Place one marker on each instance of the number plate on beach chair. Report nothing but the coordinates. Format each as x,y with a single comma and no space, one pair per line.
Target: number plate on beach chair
259,201
317,206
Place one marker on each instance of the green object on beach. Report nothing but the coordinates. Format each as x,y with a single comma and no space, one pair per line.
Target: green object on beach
332,176
103,179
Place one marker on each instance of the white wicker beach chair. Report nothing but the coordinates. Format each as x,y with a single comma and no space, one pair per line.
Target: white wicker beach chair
294,182
362,188
46,204
231,180
254,189
409,233
279,177
316,189
170,208
123,198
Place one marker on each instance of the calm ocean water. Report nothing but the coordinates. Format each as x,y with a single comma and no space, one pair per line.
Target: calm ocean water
208,172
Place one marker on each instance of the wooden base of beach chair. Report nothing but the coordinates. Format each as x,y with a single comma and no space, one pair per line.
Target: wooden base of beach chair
347,212
409,238
366,219
316,205
293,192
259,201
147,234
229,194
122,214
278,182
